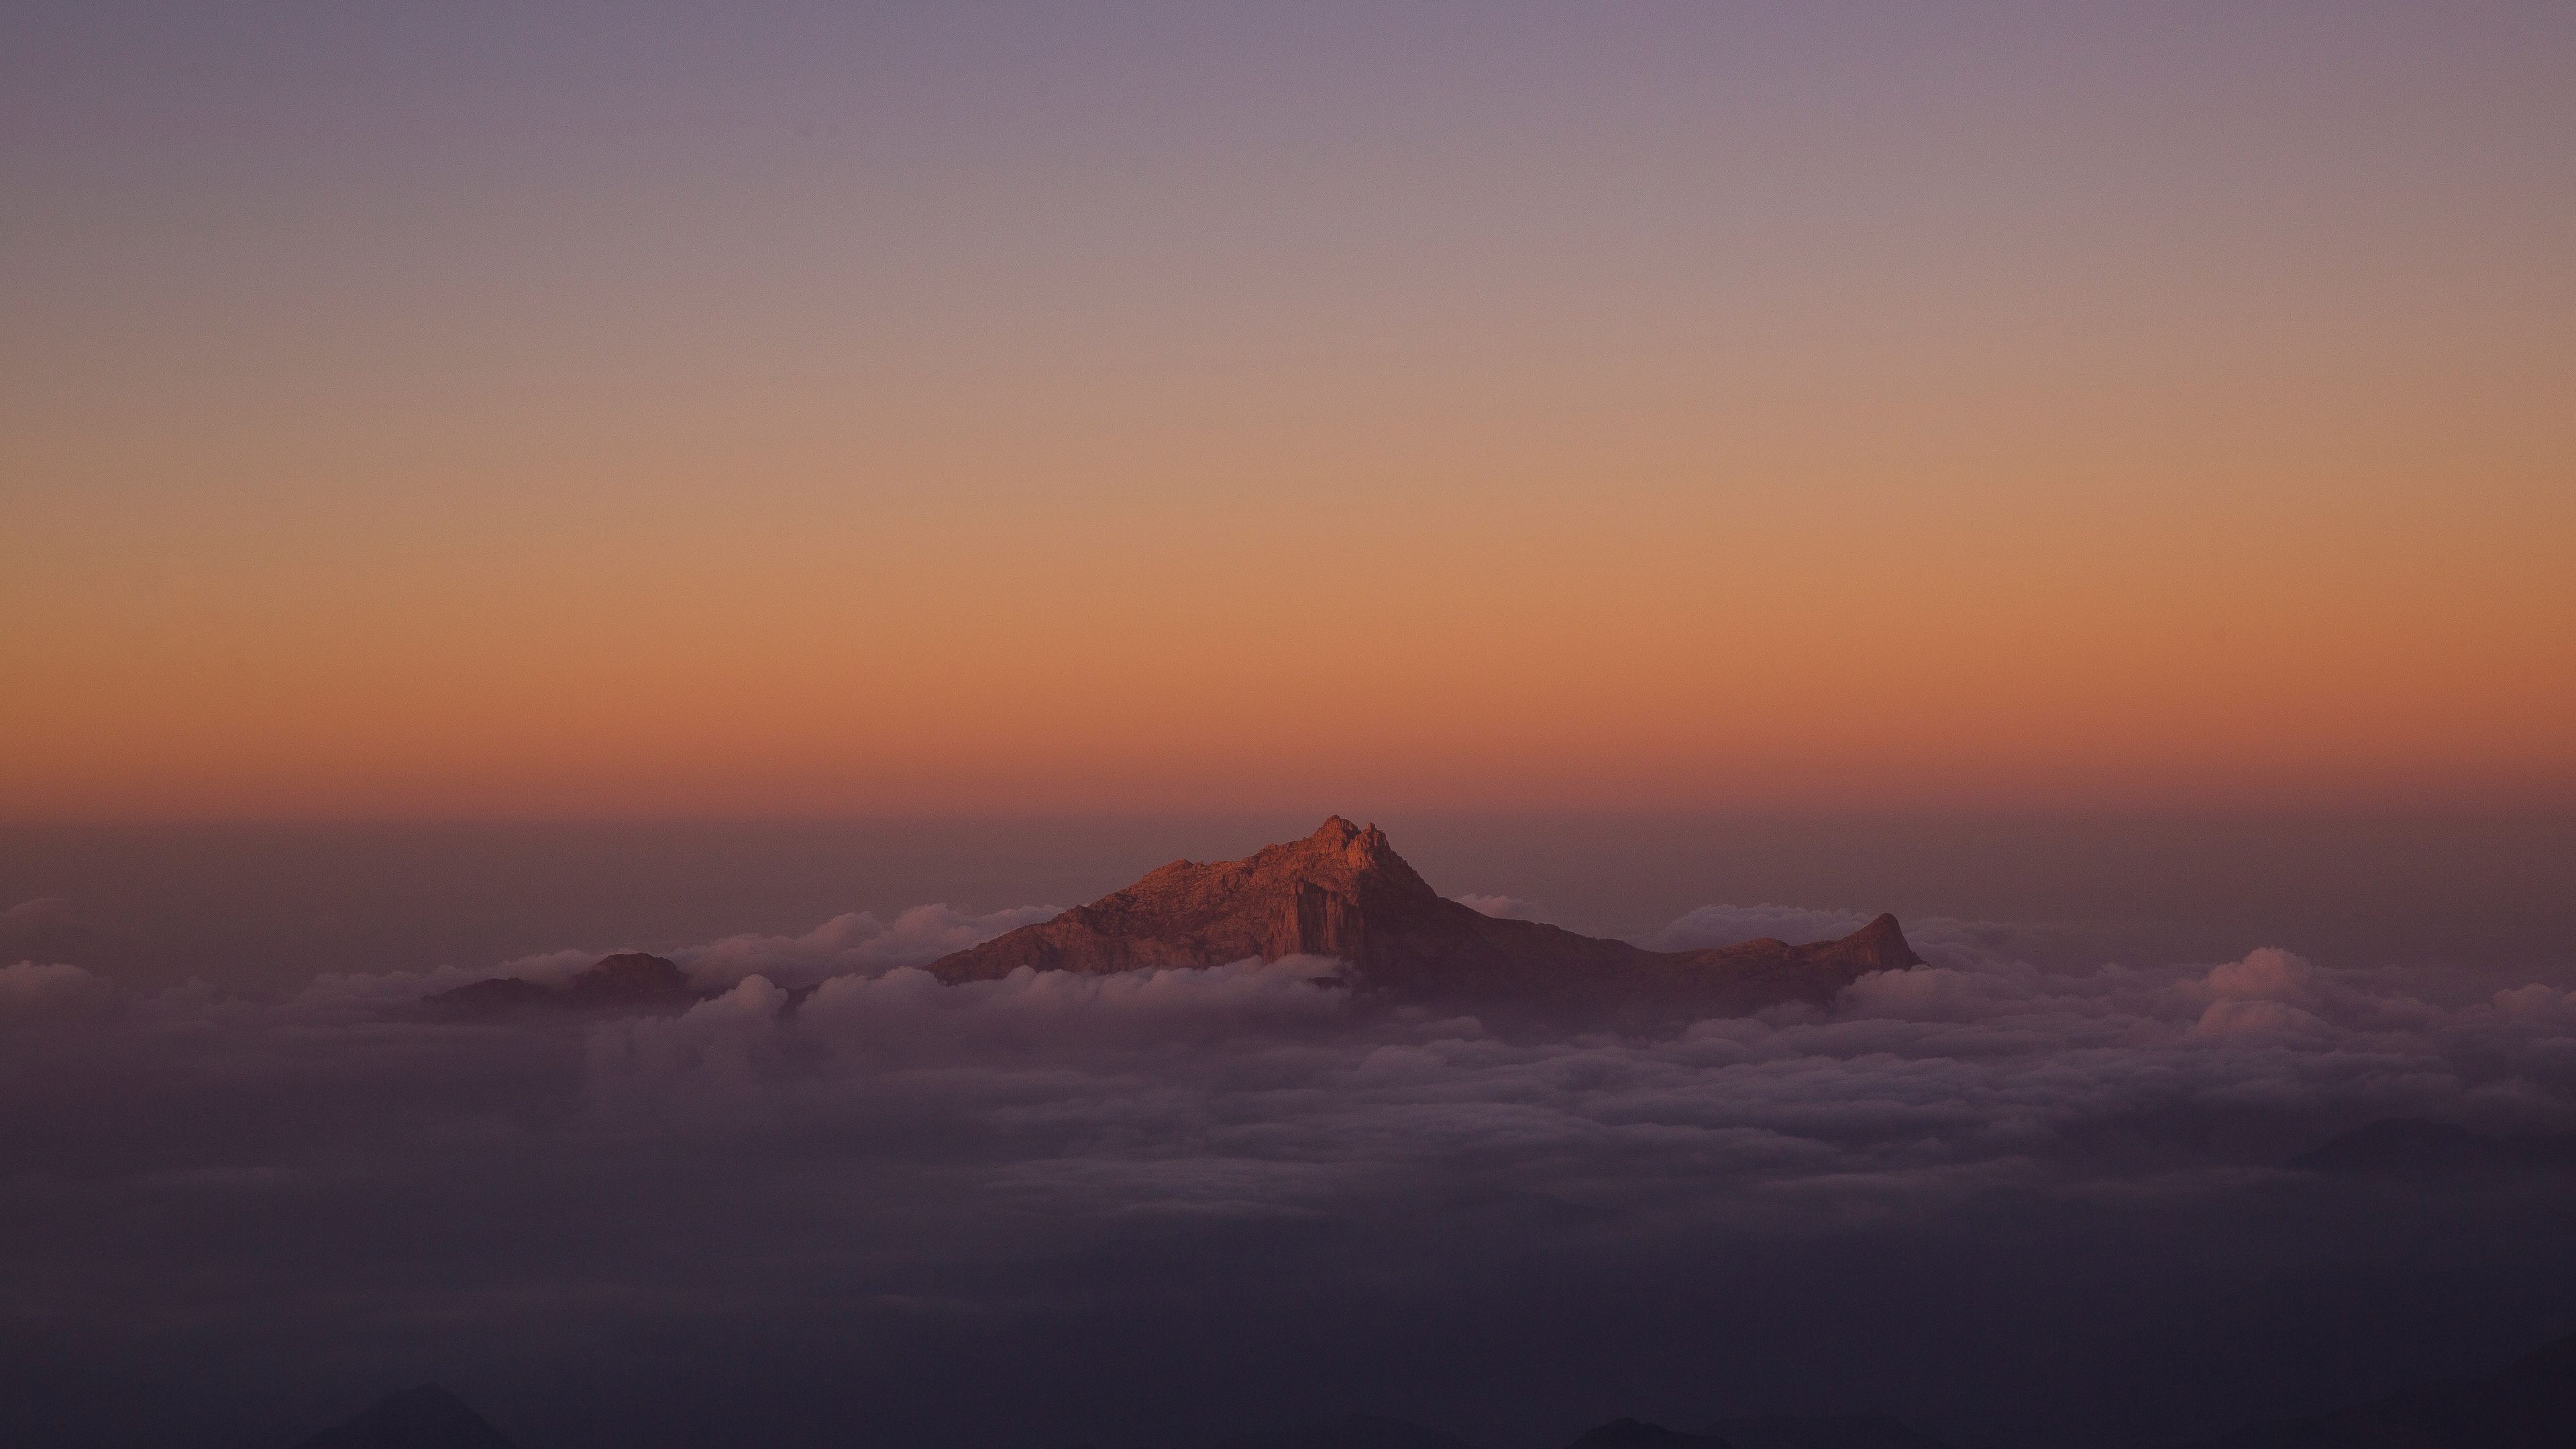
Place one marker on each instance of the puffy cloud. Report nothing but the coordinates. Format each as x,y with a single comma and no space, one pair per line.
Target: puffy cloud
724,1048
2269,974
2239,1016
1728,925
29,915
46,926
852,943
908,1012
2537,1001
1006,1158
554,967
1511,908
34,985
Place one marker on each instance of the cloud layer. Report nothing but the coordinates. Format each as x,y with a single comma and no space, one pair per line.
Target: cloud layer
1113,1189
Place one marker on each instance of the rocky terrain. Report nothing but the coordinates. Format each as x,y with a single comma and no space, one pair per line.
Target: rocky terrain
1343,892
628,981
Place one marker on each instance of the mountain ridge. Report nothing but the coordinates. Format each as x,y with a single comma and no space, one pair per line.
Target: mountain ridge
2530,1404
1344,892
625,981
428,1417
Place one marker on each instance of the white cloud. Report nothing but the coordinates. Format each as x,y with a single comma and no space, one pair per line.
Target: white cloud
2269,974
1981,1073
34,985
41,911
1728,925
2257,1016
1510,908
892,1134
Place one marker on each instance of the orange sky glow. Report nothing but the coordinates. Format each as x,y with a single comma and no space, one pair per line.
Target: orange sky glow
2012,444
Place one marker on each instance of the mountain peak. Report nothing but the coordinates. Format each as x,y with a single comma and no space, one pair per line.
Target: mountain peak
1630,1434
628,980
1347,857
1344,892
1883,942
631,977
1337,833
427,1417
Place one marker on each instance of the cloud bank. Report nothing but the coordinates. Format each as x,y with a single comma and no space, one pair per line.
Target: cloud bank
1171,1203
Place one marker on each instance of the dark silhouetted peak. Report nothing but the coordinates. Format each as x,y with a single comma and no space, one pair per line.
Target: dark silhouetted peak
2531,1405
1344,892
1354,1431
629,980
427,1417
499,996
2553,1364
1841,1431
1630,1434
631,976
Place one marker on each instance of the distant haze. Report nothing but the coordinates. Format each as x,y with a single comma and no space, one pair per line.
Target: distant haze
2072,1180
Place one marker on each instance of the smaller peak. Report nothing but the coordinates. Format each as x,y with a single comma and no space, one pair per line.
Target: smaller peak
424,1394
1361,845
630,976
631,964
2553,1361
1340,834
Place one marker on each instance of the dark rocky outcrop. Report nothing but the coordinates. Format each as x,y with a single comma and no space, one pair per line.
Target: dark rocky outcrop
629,981
1352,1431
1630,1434
2531,1405
427,1417
1834,1431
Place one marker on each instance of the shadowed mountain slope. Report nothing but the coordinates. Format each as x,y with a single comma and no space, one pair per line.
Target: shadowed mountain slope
1629,1434
629,981
1352,1431
427,1417
2531,1405
1344,892
1842,1431
1770,1431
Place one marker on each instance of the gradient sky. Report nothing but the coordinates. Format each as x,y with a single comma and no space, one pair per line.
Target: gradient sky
486,410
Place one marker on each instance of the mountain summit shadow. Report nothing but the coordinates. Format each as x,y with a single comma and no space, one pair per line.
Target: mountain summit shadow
629,981
1630,1434
1841,1431
1352,1431
1344,892
2531,1405
427,1417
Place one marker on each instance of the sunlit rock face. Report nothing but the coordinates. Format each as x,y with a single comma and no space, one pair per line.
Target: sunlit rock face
1343,892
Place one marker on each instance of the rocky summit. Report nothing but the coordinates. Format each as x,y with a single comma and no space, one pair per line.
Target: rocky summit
1343,892
627,981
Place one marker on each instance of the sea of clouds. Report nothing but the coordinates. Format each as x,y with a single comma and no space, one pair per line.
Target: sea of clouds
2006,1192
